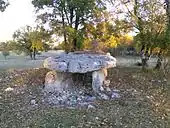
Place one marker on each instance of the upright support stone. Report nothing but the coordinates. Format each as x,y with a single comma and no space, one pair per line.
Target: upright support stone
98,78
57,81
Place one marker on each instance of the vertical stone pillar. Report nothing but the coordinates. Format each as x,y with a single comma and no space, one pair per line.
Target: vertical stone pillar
98,78
57,81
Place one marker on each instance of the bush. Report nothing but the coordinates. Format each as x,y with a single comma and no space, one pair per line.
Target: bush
5,53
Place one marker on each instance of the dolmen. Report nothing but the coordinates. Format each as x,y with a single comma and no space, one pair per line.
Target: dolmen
63,66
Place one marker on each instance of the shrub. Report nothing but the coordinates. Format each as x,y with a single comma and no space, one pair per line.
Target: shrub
5,53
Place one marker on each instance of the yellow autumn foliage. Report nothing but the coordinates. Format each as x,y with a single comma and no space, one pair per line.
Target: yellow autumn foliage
87,43
36,41
101,35
126,39
112,42
37,44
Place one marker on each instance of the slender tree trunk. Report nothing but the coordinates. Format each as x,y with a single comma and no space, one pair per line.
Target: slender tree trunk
159,60
76,28
34,53
30,55
168,15
77,22
135,7
64,31
143,61
142,48
168,10
71,16
140,28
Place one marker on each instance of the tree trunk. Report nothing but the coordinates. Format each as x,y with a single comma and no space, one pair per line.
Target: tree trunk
159,60
168,10
34,53
71,16
143,48
30,55
144,64
76,28
142,54
64,31
135,7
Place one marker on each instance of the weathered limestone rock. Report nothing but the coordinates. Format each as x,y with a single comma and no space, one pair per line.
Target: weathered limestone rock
100,84
79,63
106,85
60,78
98,78
57,81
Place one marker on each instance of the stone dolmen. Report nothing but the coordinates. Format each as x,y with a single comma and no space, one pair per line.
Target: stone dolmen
63,66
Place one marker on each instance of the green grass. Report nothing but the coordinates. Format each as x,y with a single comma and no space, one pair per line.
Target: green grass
132,110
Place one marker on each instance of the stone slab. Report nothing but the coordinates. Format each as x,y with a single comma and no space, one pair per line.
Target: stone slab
79,63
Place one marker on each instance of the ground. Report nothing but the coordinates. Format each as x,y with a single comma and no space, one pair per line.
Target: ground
144,102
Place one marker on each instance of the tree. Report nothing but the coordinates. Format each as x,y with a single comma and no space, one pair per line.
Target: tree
108,33
100,34
3,5
167,31
148,19
167,4
5,53
4,47
164,46
30,40
70,14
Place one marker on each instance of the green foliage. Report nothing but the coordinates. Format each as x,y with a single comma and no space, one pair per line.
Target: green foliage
30,40
102,33
36,41
4,47
147,18
70,16
152,27
80,40
3,5
22,40
5,53
81,22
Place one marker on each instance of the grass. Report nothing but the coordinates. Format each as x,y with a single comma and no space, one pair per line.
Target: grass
143,103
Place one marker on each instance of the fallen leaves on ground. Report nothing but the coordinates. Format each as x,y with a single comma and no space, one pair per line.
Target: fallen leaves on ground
144,102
